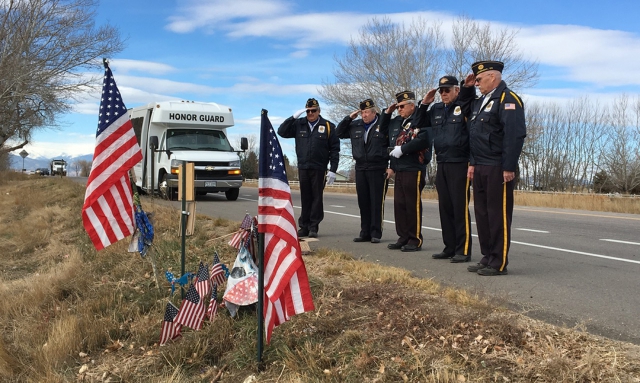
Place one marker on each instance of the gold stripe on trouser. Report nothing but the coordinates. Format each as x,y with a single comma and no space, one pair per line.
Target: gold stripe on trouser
418,200
384,196
467,226
505,240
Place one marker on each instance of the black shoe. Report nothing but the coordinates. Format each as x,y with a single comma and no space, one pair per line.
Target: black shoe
442,255
303,233
490,271
458,258
313,234
409,248
476,267
375,240
394,246
361,239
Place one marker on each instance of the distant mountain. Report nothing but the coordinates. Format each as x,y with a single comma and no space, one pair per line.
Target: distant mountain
41,162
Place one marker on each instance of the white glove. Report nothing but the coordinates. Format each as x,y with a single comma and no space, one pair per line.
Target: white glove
298,113
396,152
331,176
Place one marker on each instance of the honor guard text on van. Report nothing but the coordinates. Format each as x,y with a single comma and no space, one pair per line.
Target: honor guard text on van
195,117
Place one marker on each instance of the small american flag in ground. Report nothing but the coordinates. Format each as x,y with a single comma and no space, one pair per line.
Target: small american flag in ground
217,272
203,286
213,303
170,330
241,236
107,213
285,276
191,310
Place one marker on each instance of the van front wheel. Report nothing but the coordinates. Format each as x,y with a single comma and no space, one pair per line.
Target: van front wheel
232,194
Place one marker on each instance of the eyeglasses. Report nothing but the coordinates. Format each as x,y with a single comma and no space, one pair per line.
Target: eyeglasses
402,106
444,90
478,79
311,111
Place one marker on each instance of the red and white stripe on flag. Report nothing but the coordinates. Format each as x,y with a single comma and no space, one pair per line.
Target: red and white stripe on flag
286,281
238,238
192,310
107,213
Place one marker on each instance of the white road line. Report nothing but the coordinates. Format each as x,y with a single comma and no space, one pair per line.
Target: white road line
531,230
336,206
617,241
520,243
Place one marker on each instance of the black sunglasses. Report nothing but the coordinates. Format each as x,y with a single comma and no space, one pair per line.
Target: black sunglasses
312,110
444,90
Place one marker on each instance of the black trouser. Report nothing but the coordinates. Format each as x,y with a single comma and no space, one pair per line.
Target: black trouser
407,206
493,205
453,202
371,187
311,188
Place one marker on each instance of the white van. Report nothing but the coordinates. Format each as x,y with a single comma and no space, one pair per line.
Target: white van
171,132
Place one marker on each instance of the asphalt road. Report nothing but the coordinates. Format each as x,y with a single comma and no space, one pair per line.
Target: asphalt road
566,267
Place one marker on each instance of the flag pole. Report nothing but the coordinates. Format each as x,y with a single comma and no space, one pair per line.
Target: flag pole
183,220
260,299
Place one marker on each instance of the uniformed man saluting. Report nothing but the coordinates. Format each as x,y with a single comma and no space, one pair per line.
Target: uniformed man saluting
410,155
369,144
496,136
451,144
317,146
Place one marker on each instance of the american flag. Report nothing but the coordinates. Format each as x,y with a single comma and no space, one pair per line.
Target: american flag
217,272
170,329
286,282
191,310
202,284
107,213
213,303
242,234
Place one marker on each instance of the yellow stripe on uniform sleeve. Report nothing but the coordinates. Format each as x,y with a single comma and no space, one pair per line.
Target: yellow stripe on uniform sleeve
517,98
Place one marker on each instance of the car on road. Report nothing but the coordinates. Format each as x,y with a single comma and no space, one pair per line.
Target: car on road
42,171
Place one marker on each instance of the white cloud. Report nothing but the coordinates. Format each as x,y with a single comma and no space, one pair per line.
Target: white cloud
590,55
149,67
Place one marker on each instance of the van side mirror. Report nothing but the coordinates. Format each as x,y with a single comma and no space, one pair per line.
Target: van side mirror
244,144
153,142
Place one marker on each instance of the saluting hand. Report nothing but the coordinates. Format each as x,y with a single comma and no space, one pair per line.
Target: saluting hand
429,97
354,114
391,108
470,80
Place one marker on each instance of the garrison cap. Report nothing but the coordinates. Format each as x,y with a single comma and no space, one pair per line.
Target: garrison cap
312,103
483,66
447,82
405,95
367,104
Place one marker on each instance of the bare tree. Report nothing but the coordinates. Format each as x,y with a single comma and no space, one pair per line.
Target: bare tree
473,41
621,157
85,167
45,46
385,59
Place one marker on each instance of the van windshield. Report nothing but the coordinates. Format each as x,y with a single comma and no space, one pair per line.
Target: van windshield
197,139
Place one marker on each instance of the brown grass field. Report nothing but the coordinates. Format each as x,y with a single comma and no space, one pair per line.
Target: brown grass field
72,314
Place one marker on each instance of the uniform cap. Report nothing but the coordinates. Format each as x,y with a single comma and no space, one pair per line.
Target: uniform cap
447,82
367,104
312,103
405,95
483,66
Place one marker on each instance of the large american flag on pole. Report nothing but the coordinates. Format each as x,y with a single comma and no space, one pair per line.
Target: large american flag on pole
285,276
107,213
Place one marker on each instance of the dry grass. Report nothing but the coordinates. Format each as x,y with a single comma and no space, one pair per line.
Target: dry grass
72,314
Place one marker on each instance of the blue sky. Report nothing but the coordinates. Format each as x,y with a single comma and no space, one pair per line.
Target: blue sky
254,54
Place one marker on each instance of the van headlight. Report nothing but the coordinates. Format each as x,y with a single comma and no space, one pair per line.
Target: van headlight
175,166
234,164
